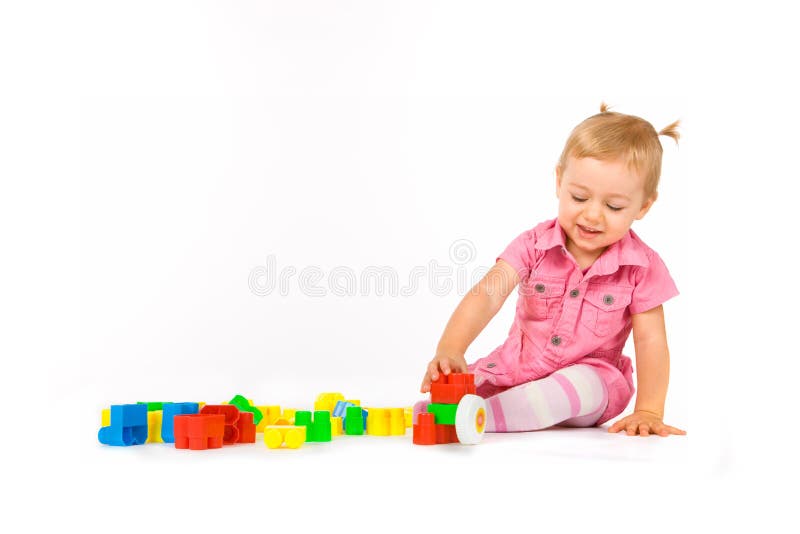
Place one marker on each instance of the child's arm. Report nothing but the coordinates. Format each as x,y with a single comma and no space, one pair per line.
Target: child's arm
471,316
652,375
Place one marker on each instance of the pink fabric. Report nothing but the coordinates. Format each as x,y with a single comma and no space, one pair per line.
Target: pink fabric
553,329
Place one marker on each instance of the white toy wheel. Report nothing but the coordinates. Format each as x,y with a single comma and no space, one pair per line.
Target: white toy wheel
470,419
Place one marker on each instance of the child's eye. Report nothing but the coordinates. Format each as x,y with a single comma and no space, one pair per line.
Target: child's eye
613,208
578,199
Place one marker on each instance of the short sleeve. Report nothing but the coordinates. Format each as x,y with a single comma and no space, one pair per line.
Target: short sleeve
654,286
519,253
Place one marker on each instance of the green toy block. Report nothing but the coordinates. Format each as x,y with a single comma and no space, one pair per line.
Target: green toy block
354,421
444,414
303,418
153,406
322,425
244,406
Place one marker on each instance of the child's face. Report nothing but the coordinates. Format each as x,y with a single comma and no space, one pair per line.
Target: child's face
597,203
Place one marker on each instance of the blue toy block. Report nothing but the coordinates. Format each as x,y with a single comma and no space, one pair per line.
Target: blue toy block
128,426
170,410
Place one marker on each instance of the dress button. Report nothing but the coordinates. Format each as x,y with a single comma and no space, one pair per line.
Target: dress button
555,340
608,300
539,288
574,293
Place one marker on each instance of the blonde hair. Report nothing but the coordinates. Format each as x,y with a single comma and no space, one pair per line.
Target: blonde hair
610,135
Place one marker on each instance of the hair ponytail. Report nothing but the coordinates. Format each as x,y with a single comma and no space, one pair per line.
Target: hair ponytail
672,131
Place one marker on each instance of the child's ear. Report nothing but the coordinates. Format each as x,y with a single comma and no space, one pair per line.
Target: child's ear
647,205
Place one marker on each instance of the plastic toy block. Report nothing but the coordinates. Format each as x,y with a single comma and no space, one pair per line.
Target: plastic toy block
327,401
270,415
290,435
448,389
356,402
354,421
446,434
153,406
199,431
105,417
424,431
445,413
246,428
128,426
231,413
171,409
322,426
246,405
408,415
303,418
336,426
286,418
154,426
340,409
397,422
378,422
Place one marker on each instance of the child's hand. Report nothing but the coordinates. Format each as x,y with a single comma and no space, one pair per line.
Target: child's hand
644,423
447,365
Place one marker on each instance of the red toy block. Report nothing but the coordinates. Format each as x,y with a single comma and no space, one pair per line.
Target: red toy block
446,434
239,426
448,389
198,431
425,429
246,427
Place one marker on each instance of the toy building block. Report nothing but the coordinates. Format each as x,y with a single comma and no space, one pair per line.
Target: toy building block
408,415
105,417
239,426
154,426
199,431
270,415
424,431
246,405
397,422
448,389
445,413
446,434
153,406
354,421
128,426
327,401
354,401
336,426
290,435
317,430
170,410
378,422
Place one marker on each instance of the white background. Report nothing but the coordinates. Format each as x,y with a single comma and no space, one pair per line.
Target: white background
155,154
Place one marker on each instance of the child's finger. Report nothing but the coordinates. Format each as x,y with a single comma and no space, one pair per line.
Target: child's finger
445,365
433,370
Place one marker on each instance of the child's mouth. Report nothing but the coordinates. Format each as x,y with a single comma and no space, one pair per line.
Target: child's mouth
587,233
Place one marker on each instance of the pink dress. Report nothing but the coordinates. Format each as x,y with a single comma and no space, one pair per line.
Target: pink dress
565,317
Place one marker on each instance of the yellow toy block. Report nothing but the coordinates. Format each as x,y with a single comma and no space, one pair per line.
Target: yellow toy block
200,405
285,418
336,426
277,435
105,417
327,401
270,415
409,416
378,422
154,420
397,422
